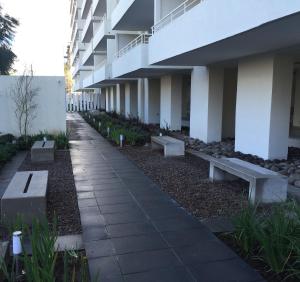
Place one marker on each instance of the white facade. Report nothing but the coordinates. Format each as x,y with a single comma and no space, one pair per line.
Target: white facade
50,112
226,68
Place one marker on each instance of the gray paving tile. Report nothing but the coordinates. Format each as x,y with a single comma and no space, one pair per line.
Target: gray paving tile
94,233
130,229
119,208
174,274
105,269
146,242
225,271
178,223
125,217
101,248
87,203
85,195
143,261
92,220
165,212
200,253
111,193
180,238
102,201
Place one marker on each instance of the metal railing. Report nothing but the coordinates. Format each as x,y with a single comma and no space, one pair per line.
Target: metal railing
176,13
142,39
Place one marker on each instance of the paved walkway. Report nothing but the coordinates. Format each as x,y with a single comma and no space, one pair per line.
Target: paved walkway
132,231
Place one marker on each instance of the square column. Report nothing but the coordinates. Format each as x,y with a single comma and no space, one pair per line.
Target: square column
130,100
206,103
108,105
120,99
141,98
296,118
171,102
112,99
263,106
103,99
152,101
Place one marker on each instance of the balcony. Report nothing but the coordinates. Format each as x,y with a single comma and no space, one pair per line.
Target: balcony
77,48
87,32
88,81
132,61
129,15
87,59
202,33
85,8
102,34
102,73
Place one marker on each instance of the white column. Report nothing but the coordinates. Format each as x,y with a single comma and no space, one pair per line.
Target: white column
296,119
263,106
118,99
206,103
152,101
127,100
229,102
130,100
107,104
141,99
122,99
112,104
171,102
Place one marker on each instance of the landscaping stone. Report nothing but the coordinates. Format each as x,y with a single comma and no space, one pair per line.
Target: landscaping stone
26,196
43,151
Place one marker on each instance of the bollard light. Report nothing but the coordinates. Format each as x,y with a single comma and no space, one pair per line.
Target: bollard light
108,130
45,139
160,134
121,140
17,251
17,246
99,125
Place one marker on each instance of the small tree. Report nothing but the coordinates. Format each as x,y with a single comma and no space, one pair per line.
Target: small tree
24,97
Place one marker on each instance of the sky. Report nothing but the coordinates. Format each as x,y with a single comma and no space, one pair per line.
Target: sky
42,36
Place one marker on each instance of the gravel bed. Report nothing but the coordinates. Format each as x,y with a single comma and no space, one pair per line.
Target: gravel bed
186,180
61,194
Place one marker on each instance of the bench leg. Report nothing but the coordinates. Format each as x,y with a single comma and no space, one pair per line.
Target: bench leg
155,146
216,174
265,191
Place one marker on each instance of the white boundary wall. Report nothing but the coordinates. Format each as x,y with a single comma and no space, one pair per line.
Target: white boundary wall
50,113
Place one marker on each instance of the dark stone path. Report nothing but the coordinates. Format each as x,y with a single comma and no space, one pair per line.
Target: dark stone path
132,231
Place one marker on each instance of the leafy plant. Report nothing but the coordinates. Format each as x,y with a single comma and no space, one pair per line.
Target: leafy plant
246,226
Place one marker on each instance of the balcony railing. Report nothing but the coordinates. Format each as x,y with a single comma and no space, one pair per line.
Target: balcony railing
142,39
176,13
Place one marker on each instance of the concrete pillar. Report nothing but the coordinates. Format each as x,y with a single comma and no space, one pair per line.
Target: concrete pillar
152,101
122,99
229,103
171,102
141,99
131,99
103,99
296,118
107,95
263,106
206,103
112,99
118,99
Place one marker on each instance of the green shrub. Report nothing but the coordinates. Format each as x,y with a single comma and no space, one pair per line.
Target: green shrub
7,151
273,236
7,138
133,131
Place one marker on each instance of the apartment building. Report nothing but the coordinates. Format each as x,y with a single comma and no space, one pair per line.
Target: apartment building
223,68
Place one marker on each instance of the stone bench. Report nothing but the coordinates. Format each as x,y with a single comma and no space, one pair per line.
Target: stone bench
25,196
265,186
171,146
42,151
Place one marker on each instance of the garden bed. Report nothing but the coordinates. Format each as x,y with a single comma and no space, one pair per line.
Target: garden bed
61,193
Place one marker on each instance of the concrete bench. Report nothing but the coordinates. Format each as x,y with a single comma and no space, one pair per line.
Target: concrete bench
42,151
25,196
265,186
171,146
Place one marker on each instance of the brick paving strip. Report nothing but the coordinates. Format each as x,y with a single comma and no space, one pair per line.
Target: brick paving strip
132,231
